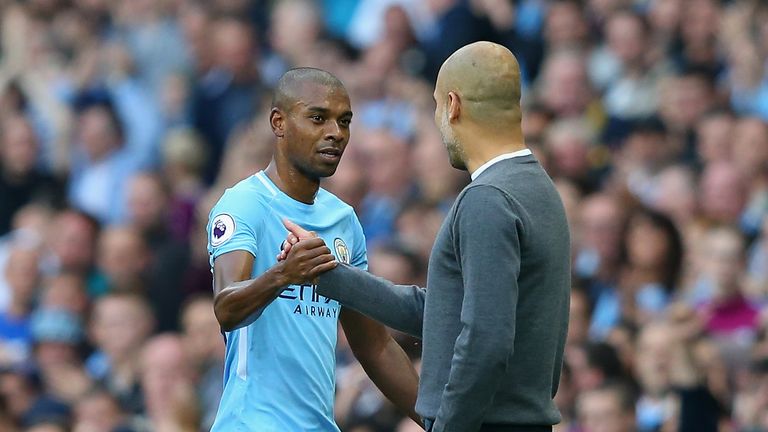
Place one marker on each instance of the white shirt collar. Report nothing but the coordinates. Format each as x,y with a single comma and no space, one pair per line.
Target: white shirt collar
499,158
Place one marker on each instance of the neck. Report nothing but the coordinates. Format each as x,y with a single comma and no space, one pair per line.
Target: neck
493,146
292,182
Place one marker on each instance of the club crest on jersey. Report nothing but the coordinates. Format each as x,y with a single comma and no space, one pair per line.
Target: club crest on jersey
342,252
222,229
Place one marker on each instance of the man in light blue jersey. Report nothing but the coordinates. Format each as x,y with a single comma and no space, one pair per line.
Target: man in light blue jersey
280,333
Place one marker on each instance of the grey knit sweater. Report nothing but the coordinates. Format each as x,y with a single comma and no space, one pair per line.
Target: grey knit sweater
494,315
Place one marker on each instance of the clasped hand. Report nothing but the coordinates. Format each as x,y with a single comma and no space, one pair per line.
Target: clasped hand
304,256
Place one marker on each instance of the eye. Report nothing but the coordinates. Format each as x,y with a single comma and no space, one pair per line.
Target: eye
345,122
317,118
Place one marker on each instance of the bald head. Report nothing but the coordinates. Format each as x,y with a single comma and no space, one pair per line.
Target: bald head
288,88
486,77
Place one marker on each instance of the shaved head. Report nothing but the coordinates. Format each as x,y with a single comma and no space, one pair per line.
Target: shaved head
477,109
288,89
310,116
486,77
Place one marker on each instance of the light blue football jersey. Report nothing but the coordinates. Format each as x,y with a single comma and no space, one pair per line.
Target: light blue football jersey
279,373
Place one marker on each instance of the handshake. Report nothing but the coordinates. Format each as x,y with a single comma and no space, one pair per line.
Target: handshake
303,256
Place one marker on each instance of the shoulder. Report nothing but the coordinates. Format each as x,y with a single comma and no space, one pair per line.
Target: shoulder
484,204
235,221
248,196
481,195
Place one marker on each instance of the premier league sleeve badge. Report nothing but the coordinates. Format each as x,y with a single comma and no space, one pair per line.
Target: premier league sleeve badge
222,229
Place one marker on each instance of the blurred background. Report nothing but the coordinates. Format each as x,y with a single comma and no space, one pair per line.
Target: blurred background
122,122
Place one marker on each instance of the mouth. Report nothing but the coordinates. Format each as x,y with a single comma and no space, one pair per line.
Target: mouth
330,154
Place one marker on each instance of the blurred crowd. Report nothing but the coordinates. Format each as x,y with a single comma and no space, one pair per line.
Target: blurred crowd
122,122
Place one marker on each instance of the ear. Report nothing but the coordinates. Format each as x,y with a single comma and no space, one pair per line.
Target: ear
277,122
454,106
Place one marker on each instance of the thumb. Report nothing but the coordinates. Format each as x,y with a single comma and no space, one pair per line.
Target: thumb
296,230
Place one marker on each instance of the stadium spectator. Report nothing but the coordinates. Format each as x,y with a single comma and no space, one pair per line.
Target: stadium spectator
609,408
167,384
98,410
20,180
123,258
202,341
98,184
120,326
23,277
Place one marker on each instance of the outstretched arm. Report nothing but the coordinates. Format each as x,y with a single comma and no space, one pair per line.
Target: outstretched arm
400,307
383,360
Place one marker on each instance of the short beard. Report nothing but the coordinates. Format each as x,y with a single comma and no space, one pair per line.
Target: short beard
455,151
307,170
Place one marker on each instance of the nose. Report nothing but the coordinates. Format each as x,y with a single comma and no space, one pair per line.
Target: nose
334,132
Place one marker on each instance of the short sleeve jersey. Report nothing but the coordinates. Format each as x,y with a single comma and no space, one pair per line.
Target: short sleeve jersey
279,371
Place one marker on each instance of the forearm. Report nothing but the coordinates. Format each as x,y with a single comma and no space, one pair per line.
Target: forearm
237,302
400,307
393,373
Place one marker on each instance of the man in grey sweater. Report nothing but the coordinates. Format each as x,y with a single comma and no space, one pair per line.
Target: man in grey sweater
494,315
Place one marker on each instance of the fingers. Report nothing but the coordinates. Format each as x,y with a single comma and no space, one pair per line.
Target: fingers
322,259
288,243
312,247
305,250
311,254
298,231
281,256
285,248
306,260
319,266
322,268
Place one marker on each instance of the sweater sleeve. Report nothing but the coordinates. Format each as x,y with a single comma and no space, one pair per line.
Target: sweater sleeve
400,307
486,236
